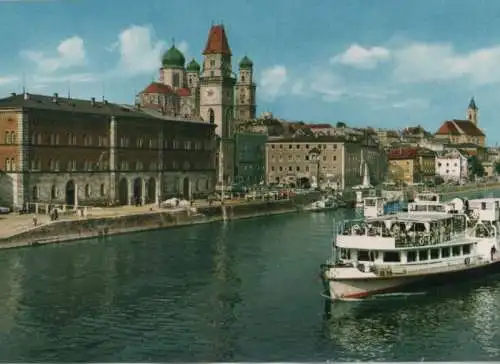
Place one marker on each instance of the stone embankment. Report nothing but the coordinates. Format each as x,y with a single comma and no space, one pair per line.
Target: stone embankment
96,227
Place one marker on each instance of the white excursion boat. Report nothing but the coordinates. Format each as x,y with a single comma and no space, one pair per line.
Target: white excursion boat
433,243
325,204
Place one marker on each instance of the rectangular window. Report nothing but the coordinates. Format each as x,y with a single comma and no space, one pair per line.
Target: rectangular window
434,253
455,251
392,257
445,252
411,256
423,255
466,249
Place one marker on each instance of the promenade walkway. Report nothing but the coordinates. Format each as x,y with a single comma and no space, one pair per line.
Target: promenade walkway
13,224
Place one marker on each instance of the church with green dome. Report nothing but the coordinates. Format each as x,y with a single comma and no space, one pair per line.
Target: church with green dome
211,91
179,90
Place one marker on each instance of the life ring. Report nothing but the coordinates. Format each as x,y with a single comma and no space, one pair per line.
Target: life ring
467,261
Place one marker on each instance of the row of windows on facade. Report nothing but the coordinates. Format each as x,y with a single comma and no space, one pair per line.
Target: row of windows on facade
102,141
297,168
88,166
54,139
298,158
306,146
447,164
174,144
55,193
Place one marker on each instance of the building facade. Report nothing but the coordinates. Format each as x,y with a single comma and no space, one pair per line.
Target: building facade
83,152
452,165
211,92
327,159
411,165
250,158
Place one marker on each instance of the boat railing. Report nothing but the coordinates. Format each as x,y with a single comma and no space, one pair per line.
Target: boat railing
403,239
405,269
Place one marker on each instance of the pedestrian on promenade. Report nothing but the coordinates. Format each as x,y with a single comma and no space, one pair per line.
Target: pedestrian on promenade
35,220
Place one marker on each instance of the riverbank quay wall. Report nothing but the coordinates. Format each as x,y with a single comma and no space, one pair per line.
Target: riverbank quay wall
101,227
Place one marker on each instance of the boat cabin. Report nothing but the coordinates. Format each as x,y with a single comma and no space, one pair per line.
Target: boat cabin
373,206
402,238
485,209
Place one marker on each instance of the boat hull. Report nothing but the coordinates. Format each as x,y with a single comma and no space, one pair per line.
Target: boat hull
341,289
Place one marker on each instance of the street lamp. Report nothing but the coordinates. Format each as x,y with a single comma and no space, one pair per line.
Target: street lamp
314,154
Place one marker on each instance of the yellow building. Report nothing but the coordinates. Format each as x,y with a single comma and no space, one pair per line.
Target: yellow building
411,165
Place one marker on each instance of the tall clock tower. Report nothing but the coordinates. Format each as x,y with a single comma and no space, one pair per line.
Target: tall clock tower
217,97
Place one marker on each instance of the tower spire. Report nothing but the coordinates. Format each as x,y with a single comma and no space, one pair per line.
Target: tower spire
173,42
24,83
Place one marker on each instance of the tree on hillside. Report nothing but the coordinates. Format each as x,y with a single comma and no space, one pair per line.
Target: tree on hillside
476,168
341,124
497,167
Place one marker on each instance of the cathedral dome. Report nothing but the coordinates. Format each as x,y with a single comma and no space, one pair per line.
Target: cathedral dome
173,58
193,66
246,63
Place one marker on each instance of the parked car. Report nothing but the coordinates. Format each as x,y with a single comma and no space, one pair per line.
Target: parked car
4,210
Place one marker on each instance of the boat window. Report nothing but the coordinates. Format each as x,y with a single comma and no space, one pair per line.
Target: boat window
345,254
363,255
421,208
370,203
392,257
483,205
445,252
466,249
411,256
423,255
455,251
434,253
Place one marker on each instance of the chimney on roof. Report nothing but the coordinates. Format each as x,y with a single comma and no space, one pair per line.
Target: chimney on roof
13,94
92,101
55,98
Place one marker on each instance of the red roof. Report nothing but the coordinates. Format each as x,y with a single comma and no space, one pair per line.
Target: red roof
183,92
217,41
402,153
157,88
458,127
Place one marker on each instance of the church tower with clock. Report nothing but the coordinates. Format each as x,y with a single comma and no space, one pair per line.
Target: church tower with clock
217,96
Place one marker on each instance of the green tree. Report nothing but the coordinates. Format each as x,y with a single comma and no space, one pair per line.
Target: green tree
476,168
497,167
341,124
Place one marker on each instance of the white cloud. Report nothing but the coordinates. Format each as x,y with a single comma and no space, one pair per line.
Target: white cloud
70,53
140,53
298,88
74,78
7,80
361,57
411,104
183,47
328,85
273,80
420,62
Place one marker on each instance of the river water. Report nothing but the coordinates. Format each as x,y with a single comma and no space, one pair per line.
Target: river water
243,291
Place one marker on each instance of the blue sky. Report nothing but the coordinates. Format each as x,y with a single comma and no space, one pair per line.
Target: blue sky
385,63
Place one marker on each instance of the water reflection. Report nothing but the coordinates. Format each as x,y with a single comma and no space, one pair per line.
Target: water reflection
225,298
431,324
